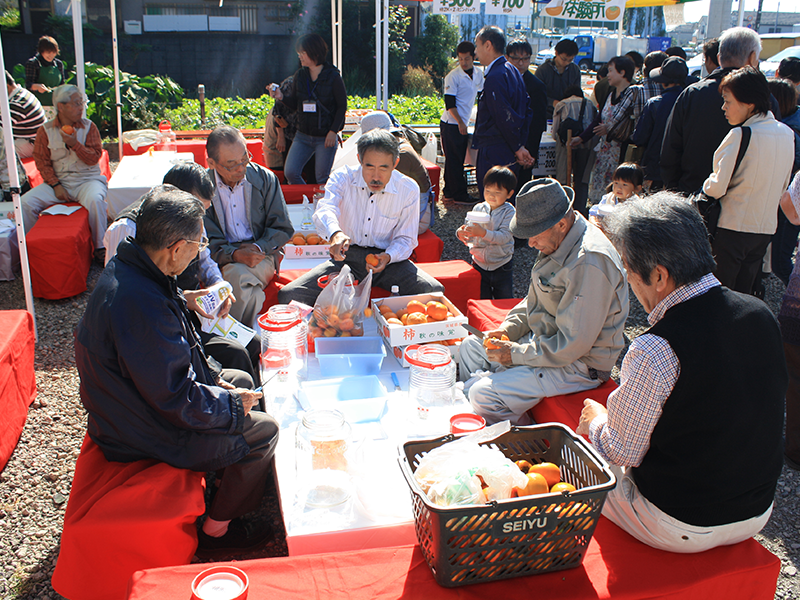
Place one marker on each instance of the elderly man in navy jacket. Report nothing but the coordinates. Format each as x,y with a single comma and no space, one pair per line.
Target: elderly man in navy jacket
504,113
147,385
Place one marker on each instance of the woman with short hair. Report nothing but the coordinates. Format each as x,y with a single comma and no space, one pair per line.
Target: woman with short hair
44,73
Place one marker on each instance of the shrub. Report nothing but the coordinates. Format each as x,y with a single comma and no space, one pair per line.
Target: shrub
417,81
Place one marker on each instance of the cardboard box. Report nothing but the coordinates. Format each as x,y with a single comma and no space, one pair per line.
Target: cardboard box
399,352
318,251
400,335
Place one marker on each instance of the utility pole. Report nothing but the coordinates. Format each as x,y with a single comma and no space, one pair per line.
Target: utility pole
719,17
758,15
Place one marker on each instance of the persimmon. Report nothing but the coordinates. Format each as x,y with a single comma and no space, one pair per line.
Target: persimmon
333,320
549,471
415,306
404,318
367,312
401,312
330,332
562,486
394,321
346,324
416,318
450,315
373,260
537,484
68,129
357,332
523,465
437,311
313,239
298,239
489,343
384,308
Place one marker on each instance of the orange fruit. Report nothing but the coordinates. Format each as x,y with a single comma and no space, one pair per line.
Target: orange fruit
437,311
333,321
313,239
523,465
562,486
401,312
346,324
404,318
415,306
549,471
357,331
489,343
68,129
416,318
373,260
390,315
384,308
367,312
394,321
450,315
537,484
330,332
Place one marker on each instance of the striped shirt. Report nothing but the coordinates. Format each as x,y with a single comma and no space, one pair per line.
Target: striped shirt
27,114
649,372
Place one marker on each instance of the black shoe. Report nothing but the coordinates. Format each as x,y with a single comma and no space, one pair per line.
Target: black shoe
236,539
100,256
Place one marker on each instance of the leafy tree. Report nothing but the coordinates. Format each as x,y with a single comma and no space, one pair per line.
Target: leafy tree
437,44
398,46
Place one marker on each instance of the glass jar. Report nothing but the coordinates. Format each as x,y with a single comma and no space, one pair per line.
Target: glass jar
284,354
322,452
432,376
167,140
475,217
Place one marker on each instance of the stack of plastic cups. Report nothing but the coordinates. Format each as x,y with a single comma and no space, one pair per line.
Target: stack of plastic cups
432,377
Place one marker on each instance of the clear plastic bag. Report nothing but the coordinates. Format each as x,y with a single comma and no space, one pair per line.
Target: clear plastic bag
339,309
453,474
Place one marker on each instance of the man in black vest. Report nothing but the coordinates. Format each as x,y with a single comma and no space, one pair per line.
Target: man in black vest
694,430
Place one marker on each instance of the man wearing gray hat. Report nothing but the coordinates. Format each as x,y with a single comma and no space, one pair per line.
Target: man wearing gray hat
567,334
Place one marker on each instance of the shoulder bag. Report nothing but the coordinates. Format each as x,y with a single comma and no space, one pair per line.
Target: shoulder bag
623,129
570,124
710,208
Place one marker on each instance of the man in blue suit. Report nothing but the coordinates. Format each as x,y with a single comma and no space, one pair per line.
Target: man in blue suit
504,113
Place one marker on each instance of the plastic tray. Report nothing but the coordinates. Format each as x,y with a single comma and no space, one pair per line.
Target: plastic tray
360,399
519,536
339,357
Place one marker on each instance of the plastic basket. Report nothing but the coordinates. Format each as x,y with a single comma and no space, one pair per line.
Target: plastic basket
519,536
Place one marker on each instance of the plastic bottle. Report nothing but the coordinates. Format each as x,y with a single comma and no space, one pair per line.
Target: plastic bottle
168,141
475,217
307,222
395,290
429,149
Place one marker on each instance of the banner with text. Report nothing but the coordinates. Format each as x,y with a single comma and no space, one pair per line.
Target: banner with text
508,7
585,10
457,7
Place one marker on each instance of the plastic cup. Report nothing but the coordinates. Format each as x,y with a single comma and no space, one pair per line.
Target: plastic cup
466,423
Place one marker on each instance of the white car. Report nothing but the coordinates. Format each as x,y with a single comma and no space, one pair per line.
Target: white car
770,66
543,55
696,66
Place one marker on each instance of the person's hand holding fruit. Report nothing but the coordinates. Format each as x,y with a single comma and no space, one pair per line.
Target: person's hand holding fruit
377,262
340,244
68,135
498,347
591,409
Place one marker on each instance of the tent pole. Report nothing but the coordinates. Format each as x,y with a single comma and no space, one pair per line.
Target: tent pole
619,35
115,47
13,177
334,36
378,54
339,43
77,28
386,55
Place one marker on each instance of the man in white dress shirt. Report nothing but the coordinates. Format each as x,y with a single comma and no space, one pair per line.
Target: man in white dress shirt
369,209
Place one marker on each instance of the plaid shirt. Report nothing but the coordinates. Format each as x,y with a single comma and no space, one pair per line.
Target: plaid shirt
650,89
649,372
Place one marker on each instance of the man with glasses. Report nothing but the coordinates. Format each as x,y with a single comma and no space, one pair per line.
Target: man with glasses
559,73
461,87
248,223
67,151
518,53
147,386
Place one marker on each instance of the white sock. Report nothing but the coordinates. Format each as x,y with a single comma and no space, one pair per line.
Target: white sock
214,528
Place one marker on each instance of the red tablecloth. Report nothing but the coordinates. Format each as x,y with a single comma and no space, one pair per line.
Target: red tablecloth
35,178
198,148
17,378
60,254
615,566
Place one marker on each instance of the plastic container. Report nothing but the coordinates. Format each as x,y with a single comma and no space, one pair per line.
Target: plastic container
519,536
359,399
167,140
349,356
322,458
466,423
307,223
284,354
220,583
432,377
475,217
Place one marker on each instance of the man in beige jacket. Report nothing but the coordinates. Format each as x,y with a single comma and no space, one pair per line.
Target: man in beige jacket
567,334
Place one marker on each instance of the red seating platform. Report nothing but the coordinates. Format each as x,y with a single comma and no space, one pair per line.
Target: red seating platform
429,248
615,566
435,175
487,314
60,254
198,148
122,518
35,178
17,377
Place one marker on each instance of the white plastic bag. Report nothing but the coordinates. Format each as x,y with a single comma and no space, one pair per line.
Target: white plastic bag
141,137
429,151
340,306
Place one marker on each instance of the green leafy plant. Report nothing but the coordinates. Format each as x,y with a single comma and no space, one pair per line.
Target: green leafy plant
144,99
437,44
60,27
417,81
9,16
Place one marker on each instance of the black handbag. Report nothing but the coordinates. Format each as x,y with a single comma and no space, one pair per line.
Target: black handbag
710,208
570,124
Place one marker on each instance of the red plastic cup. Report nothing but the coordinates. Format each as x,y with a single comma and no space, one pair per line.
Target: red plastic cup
466,423
220,583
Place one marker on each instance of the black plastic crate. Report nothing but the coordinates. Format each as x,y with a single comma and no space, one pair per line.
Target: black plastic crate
519,536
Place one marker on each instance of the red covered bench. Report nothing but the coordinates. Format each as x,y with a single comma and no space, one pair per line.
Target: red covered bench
35,178
122,518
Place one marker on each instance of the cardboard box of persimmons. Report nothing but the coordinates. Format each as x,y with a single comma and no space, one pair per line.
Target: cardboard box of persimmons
405,320
307,245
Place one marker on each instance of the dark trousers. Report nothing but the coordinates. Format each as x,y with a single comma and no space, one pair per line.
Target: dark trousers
792,354
497,284
454,146
488,157
242,485
739,256
784,241
231,354
403,274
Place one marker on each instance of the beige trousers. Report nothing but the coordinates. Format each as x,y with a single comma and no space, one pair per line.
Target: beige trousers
248,287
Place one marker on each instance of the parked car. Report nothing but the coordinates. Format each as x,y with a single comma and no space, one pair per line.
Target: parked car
770,66
543,55
697,66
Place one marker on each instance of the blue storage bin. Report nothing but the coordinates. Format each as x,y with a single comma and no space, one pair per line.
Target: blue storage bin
360,399
340,357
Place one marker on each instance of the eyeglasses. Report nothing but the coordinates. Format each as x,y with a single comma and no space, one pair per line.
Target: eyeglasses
520,58
201,245
239,165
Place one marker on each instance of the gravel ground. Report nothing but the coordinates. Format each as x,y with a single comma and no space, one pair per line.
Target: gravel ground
36,482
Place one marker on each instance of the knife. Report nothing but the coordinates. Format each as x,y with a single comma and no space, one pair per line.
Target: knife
396,382
473,330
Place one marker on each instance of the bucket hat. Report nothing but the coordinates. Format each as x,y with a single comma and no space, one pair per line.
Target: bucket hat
541,203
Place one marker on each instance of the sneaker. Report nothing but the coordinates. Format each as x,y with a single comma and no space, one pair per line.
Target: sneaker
100,256
236,539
